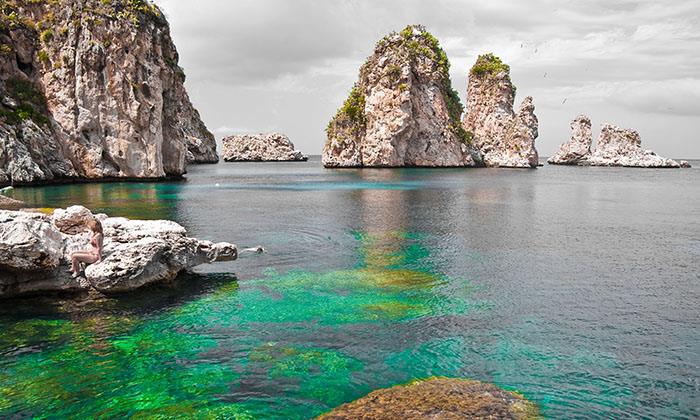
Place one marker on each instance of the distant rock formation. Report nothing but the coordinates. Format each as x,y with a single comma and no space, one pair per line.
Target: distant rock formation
615,147
270,147
35,251
578,149
503,137
438,398
402,111
92,89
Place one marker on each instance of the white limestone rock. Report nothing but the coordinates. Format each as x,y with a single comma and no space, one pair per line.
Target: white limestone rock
577,150
270,147
35,254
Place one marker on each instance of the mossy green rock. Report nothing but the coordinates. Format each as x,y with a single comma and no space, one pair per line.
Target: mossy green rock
438,398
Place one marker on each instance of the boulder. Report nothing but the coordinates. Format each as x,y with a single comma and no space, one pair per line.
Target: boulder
269,147
35,252
402,111
503,137
92,89
578,149
7,203
684,164
438,398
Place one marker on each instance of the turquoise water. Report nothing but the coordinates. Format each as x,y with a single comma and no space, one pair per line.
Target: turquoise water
577,287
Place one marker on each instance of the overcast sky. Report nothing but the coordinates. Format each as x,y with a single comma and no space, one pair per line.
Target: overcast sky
287,65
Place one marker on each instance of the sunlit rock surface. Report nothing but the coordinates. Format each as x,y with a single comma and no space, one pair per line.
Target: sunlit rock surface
402,111
503,137
438,398
92,89
35,251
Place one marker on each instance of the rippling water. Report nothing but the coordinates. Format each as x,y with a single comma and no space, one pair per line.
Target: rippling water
578,287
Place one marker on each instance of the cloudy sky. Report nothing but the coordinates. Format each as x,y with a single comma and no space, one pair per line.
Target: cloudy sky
287,65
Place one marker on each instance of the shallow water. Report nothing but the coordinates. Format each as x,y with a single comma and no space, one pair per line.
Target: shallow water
578,287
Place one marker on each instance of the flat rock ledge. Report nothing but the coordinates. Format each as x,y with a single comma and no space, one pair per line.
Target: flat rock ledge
615,147
270,147
7,203
35,251
438,398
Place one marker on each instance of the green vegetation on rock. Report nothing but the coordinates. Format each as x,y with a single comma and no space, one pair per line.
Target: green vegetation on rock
489,64
30,103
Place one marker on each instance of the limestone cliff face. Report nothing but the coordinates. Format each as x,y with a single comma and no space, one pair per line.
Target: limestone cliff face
503,137
615,147
402,111
578,149
92,89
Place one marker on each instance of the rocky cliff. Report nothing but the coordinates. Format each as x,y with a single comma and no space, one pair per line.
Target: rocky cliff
503,137
271,147
615,147
402,111
92,89
35,252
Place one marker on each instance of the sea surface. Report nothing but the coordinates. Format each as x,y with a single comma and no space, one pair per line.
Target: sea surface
577,287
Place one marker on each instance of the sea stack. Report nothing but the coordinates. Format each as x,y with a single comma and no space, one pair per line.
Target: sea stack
402,111
92,89
272,147
615,147
503,137
577,150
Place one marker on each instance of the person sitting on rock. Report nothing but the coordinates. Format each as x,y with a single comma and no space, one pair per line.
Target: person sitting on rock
92,255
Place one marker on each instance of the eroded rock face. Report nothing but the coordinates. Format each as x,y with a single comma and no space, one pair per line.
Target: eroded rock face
438,398
503,137
35,252
578,149
402,111
269,147
92,89
615,147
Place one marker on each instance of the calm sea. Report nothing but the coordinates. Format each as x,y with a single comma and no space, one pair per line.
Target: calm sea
578,287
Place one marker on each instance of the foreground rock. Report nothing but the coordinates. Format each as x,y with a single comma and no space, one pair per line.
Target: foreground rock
92,89
402,111
7,203
35,252
270,147
503,137
438,398
615,147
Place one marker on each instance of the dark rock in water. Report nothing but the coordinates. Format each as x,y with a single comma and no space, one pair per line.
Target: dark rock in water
402,111
272,147
92,89
35,252
438,398
503,137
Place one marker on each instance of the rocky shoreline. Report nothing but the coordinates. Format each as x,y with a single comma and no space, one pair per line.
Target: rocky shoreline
35,251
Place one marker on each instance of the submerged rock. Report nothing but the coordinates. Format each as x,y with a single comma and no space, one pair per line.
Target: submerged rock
402,111
503,137
92,89
615,147
438,398
260,147
35,252
578,149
